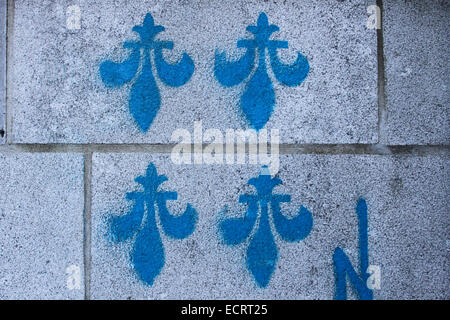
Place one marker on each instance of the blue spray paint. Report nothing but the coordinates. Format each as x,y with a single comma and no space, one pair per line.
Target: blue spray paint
258,100
145,99
262,252
147,255
343,266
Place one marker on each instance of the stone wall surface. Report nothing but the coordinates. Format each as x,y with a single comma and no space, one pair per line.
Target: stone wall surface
119,177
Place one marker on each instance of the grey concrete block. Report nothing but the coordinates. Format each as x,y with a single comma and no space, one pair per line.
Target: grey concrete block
41,226
416,47
2,71
408,227
59,97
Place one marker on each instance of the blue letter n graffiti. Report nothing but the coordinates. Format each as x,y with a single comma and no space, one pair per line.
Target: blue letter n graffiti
344,268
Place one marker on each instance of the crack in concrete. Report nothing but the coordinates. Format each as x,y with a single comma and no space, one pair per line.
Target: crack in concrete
369,149
87,229
8,89
382,110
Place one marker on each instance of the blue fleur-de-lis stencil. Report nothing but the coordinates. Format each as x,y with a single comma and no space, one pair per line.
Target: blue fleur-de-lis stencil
262,252
147,256
258,100
145,100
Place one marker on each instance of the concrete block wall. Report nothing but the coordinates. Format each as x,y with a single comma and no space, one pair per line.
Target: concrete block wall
370,121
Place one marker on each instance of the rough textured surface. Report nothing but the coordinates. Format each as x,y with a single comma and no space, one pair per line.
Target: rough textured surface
58,95
408,230
416,47
2,70
41,225
57,98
